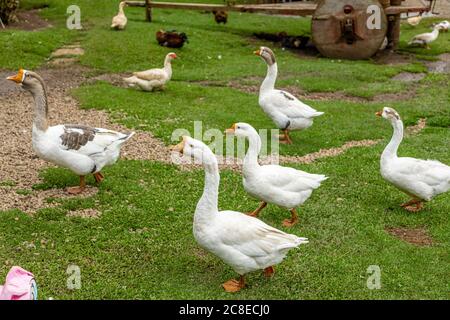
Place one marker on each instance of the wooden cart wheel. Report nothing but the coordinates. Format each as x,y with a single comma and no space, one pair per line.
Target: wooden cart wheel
349,29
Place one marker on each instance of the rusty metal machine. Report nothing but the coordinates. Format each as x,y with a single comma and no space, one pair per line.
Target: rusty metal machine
342,28
347,29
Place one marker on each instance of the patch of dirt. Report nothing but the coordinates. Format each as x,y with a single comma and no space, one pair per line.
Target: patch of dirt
28,20
113,78
391,58
412,130
417,236
33,200
440,66
85,213
322,96
68,51
409,77
400,96
324,153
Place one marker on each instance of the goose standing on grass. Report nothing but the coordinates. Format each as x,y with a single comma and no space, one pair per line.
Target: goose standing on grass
245,243
154,78
119,22
286,187
445,25
420,179
285,110
82,149
414,21
424,39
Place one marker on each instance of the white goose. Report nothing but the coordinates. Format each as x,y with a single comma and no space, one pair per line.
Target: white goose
414,21
243,242
82,149
420,179
445,25
286,187
424,39
152,79
119,22
286,111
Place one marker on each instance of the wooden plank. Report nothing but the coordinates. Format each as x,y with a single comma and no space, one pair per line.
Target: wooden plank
405,9
300,9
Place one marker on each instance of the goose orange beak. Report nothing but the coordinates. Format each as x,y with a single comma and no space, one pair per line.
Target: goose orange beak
18,78
179,147
379,113
231,130
257,52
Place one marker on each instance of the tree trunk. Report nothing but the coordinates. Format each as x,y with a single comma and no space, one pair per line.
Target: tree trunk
8,9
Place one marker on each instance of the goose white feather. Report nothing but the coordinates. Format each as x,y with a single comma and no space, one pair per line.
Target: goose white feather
243,242
286,187
82,149
152,79
285,110
420,179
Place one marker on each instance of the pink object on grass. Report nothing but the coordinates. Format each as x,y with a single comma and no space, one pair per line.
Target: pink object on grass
19,285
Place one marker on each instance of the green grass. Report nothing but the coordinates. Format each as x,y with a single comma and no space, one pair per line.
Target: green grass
142,247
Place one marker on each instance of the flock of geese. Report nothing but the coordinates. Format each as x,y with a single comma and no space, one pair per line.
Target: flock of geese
241,240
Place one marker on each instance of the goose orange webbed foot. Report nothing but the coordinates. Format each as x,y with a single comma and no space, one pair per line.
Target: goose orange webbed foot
79,189
99,177
293,220
413,205
234,285
74,190
269,272
414,208
255,213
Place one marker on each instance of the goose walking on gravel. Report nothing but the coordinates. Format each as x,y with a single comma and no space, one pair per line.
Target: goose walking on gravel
82,149
245,243
420,179
285,110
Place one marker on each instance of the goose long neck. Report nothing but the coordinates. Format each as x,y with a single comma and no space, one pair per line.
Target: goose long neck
251,158
168,66
41,107
271,77
391,149
207,206
121,6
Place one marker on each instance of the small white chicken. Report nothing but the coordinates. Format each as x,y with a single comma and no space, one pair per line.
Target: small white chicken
424,39
152,79
119,22
414,21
